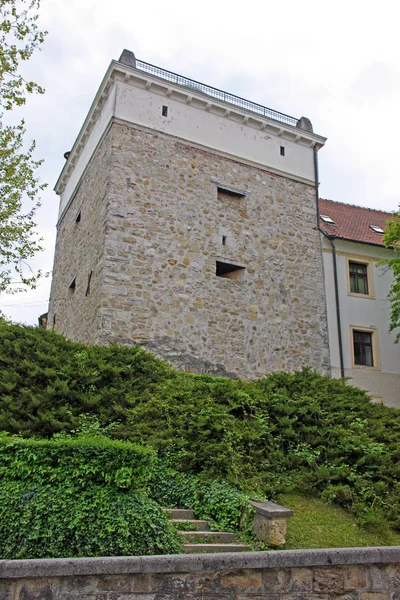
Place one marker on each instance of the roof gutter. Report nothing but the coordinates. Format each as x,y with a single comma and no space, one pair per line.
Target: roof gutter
331,239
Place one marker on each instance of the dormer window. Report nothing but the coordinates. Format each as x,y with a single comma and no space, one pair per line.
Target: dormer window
327,219
376,229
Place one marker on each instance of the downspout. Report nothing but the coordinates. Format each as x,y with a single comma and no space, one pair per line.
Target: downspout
331,239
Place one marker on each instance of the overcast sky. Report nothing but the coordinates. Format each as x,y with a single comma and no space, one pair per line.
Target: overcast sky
337,63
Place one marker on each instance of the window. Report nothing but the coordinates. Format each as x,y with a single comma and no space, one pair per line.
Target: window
327,219
376,229
78,217
231,198
224,240
358,274
165,111
282,150
364,347
363,355
229,270
72,287
229,194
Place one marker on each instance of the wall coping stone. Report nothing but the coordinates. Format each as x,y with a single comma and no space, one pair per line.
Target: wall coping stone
271,510
178,563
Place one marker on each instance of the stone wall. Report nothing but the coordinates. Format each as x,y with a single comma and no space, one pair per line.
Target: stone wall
159,227
166,229
337,574
79,253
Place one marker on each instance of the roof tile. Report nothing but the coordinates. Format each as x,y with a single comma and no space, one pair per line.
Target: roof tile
353,222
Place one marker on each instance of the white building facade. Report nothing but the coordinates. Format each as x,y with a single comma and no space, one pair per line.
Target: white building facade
361,347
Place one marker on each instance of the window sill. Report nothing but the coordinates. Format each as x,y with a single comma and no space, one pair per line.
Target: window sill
365,296
365,368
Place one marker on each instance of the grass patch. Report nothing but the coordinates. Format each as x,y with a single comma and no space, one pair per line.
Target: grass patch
316,524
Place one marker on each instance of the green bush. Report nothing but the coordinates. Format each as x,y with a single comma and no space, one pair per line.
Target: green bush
78,462
284,432
227,506
41,521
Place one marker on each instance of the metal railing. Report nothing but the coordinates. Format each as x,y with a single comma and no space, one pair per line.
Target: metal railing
216,93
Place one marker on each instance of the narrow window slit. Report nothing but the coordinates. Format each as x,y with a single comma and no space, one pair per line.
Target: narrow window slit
88,284
72,287
224,240
282,150
165,111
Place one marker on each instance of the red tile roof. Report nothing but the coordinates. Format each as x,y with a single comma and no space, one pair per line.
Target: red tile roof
353,222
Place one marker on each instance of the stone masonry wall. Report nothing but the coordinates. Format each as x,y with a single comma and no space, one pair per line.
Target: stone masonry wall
337,574
79,252
165,229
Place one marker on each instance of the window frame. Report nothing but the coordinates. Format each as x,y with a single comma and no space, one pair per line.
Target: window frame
375,347
368,262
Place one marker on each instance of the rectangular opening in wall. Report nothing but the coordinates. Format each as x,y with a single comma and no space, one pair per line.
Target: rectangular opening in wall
229,270
78,217
88,284
224,240
282,150
358,274
363,354
229,194
72,287
165,111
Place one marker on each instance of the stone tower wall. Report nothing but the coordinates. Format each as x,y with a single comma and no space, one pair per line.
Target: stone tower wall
165,229
79,255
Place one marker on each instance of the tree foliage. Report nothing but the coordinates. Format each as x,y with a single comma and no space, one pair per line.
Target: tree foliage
392,239
299,431
20,36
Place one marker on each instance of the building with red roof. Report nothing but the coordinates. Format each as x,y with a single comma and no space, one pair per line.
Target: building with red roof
361,346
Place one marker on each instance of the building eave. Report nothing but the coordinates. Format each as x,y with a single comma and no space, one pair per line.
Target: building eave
121,72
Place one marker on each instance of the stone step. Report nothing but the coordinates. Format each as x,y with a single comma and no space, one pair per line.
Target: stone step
179,513
207,537
196,524
210,548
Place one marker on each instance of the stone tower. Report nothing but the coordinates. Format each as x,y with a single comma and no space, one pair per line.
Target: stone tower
188,224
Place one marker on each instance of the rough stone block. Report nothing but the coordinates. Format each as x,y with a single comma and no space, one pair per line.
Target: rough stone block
77,584
6,590
303,596
35,589
328,579
288,580
356,578
207,582
244,579
373,596
173,583
114,583
270,531
385,577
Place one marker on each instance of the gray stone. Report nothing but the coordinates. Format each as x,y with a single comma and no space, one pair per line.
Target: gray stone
128,58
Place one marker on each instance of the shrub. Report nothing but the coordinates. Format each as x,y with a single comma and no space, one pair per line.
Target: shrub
284,432
77,463
40,521
224,504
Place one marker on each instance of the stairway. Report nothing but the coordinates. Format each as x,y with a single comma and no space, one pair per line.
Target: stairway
197,537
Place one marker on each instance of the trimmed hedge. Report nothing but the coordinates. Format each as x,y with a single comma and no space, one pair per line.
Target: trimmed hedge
42,521
77,462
